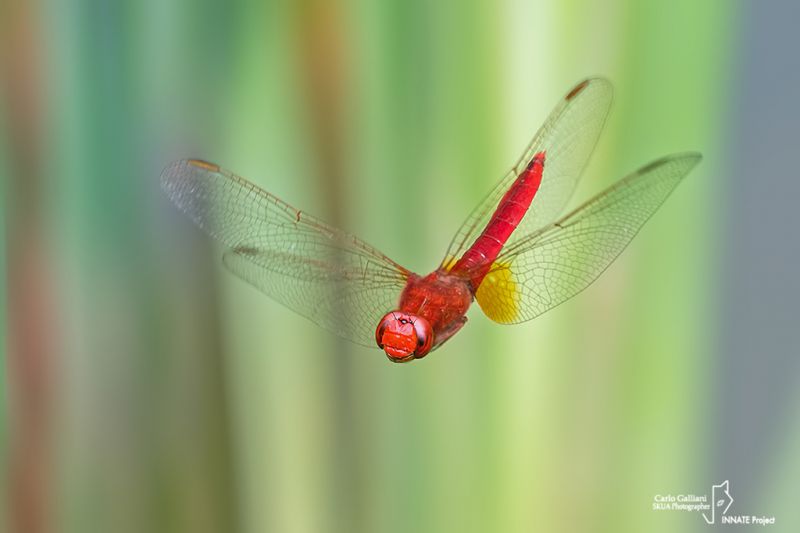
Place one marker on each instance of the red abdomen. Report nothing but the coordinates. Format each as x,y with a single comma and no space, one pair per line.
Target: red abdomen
478,259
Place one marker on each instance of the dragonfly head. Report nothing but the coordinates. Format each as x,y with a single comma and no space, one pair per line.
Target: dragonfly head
403,336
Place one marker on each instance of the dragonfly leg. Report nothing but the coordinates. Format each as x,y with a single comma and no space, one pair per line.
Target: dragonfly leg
449,331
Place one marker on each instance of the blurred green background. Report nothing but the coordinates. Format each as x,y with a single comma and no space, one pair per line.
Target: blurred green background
145,389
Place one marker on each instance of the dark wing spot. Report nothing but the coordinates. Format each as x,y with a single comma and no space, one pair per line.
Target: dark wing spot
245,250
650,166
203,164
576,90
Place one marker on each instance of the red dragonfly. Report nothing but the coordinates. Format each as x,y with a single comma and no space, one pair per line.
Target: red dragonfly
517,257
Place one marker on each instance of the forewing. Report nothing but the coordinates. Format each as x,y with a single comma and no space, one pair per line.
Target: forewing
550,266
567,138
327,275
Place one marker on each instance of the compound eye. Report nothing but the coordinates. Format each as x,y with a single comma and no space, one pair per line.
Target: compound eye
380,331
424,336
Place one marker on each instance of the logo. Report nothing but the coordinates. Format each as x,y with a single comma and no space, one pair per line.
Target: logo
714,510
720,494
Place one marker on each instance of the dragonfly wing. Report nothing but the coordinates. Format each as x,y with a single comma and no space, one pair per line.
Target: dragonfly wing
567,138
325,274
549,266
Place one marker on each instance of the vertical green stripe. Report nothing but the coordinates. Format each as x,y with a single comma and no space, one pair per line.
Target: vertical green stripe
671,103
4,340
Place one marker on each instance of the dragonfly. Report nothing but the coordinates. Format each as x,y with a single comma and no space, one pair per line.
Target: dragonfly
517,254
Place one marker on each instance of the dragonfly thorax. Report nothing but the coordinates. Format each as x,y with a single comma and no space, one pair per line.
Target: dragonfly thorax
404,336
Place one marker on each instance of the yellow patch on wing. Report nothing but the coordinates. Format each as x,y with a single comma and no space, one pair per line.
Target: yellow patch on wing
449,262
498,295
